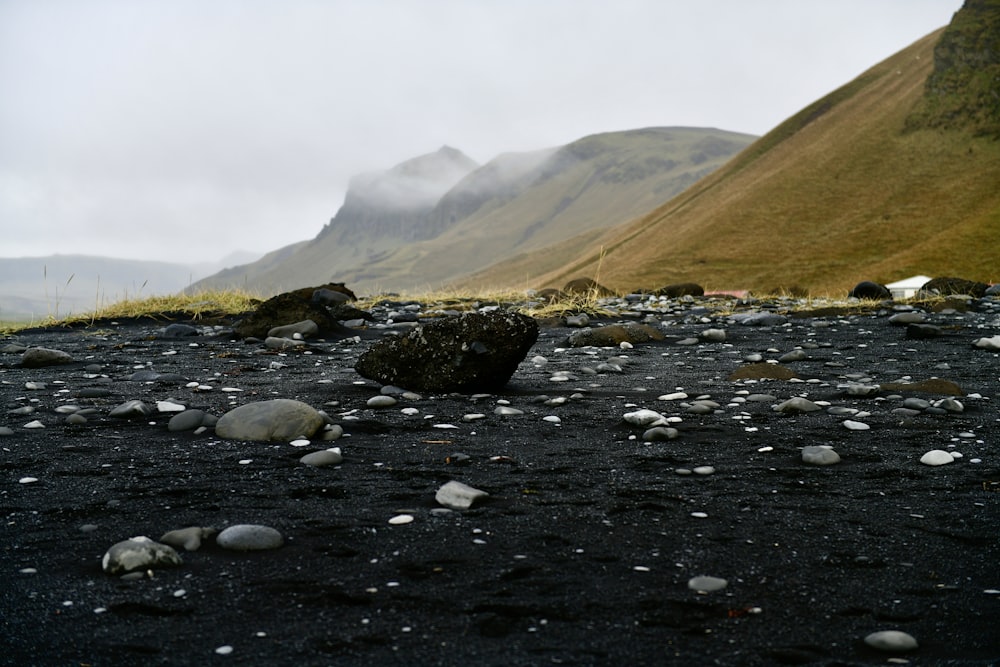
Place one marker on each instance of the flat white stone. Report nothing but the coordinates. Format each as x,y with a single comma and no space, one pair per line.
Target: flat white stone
458,496
852,425
675,396
936,457
507,410
401,519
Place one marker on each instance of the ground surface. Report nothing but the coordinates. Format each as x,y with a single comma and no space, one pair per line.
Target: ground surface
582,553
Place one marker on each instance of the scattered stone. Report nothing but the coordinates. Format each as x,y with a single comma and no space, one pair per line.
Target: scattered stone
794,355
891,640
189,538
992,343
138,553
507,411
280,419
852,425
381,402
472,352
911,317
131,409
178,330
820,455
645,418
796,405
290,308
298,330
580,320
706,584
714,335
613,335
458,496
249,537
190,420
37,357
937,457
660,434
323,458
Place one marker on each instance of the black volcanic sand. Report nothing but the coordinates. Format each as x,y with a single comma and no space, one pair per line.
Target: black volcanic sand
583,551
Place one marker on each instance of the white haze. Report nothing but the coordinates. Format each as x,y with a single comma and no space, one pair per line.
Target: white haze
183,130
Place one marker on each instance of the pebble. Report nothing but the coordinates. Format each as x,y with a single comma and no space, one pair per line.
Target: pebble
381,401
138,553
891,640
249,537
992,343
706,584
37,357
937,457
820,455
458,496
852,425
506,410
189,538
645,418
130,409
796,405
659,434
401,519
280,419
323,458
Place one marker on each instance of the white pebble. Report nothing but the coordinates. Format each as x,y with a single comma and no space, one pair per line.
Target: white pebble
28,480
401,519
936,457
705,584
552,419
224,650
855,425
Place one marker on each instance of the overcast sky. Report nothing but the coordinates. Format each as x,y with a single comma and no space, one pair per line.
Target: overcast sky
184,130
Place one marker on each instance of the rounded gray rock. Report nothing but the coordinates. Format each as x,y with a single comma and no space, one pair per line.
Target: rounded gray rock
280,419
249,537
37,357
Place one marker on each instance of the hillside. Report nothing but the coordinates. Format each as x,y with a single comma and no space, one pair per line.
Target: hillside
516,202
847,189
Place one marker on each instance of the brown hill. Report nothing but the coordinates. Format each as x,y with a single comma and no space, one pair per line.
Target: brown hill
409,228
843,191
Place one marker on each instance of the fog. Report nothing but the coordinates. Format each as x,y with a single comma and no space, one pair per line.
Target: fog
183,130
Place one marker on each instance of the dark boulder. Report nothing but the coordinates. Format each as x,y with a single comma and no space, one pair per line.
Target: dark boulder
950,286
292,307
587,287
869,290
470,353
680,289
613,335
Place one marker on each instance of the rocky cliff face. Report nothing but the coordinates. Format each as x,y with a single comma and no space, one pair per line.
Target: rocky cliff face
396,203
963,91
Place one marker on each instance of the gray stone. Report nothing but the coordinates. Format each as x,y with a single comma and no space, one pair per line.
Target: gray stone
797,404
37,357
188,420
892,640
280,419
470,353
820,455
659,434
323,458
305,328
458,496
138,553
130,409
249,537
189,538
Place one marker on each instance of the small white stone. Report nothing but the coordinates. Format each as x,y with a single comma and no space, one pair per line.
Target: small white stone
645,418
458,496
507,410
936,457
224,650
409,412
401,519
474,416
852,425
27,480
703,470
34,424
675,396
381,401
552,419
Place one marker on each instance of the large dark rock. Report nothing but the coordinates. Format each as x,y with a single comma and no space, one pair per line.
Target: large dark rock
949,286
867,289
469,353
296,306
